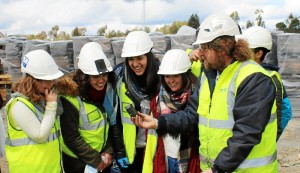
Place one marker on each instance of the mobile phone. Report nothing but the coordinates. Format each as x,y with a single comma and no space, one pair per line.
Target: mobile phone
131,110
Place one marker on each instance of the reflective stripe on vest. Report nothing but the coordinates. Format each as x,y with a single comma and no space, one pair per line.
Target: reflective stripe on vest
150,151
25,155
86,125
28,141
93,126
249,163
129,129
218,121
227,124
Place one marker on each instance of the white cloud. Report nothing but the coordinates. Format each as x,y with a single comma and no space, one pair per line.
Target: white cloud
34,16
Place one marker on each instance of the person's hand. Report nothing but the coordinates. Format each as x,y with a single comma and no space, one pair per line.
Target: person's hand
145,121
208,171
195,55
106,161
50,96
123,162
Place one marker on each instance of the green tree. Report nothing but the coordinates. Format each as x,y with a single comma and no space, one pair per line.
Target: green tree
30,37
127,32
293,24
137,29
75,32
113,33
235,16
78,31
258,18
194,21
249,24
176,26
165,29
120,34
63,36
42,35
171,29
281,26
147,29
53,32
290,25
102,30
82,31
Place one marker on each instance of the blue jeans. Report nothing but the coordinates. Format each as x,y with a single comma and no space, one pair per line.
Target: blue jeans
173,165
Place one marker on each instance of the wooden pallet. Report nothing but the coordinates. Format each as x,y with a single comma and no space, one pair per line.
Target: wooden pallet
5,79
5,85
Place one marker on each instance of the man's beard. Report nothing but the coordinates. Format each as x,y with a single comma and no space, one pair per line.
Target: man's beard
207,65
219,64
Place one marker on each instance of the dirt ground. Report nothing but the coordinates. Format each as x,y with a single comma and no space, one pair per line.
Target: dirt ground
288,144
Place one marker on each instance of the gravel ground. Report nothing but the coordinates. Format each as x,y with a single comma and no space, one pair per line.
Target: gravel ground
289,142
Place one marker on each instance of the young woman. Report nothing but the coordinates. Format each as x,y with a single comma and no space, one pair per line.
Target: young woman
137,83
172,152
89,102
32,143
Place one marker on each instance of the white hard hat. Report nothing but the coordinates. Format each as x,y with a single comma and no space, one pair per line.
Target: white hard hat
175,61
136,43
258,36
40,65
214,26
92,60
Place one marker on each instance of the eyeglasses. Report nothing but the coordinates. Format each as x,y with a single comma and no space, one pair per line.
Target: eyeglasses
100,76
204,48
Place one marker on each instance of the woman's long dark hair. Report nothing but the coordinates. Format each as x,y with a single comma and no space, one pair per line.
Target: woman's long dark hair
83,83
150,75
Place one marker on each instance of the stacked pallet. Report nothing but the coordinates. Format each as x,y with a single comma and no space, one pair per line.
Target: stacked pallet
289,62
5,84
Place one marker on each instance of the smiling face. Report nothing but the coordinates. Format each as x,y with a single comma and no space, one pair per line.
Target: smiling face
98,81
174,82
138,64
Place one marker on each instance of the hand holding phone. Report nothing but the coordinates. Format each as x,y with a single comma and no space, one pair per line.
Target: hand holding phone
131,110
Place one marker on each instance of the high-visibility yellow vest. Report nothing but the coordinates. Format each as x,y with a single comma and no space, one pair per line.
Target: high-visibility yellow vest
93,125
25,155
279,97
150,151
216,121
129,129
196,65
196,68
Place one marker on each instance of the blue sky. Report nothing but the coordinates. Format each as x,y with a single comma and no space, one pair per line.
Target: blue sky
34,16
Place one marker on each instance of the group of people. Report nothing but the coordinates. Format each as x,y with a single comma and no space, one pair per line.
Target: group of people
215,110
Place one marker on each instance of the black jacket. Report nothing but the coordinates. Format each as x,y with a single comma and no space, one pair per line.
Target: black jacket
69,127
255,96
